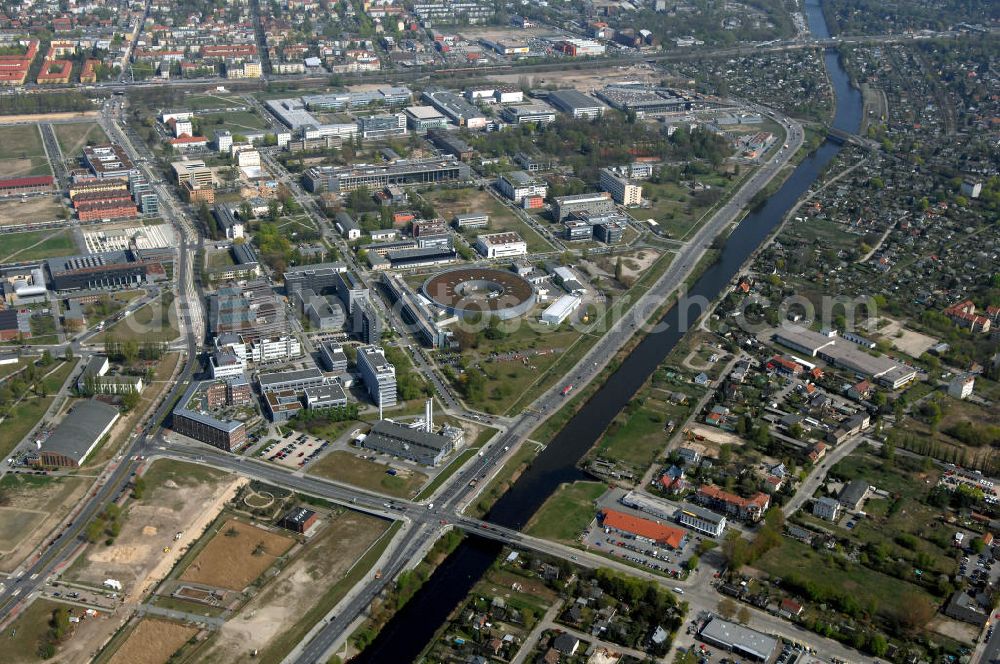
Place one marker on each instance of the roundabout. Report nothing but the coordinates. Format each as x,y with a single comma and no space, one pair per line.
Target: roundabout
479,291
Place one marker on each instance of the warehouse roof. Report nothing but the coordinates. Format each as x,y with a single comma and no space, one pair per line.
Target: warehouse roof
81,429
741,640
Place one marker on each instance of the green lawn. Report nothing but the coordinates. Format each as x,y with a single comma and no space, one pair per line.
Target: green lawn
198,102
36,245
635,439
74,136
155,322
453,467
235,121
22,637
346,467
567,512
22,152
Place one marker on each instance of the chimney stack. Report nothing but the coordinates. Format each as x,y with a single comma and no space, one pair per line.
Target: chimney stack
429,416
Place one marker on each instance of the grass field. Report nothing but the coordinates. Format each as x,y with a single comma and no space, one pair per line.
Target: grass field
506,381
30,411
449,202
235,121
22,637
22,152
153,642
567,512
634,439
36,245
36,208
180,473
234,559
837,576
74,136
345,467
199,102
155,322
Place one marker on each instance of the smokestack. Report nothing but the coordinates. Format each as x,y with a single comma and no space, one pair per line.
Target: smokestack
380,408
429,416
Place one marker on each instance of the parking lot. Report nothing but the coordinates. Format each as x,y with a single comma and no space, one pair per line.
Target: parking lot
639,551
294,450
980,570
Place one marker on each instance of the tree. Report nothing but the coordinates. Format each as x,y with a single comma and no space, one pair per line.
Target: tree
46,358
139,488
68,355
743,615
727,608
692,563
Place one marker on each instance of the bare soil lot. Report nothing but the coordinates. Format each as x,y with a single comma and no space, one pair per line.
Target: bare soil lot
36,208
185,502
300,586
236,555
153,642
48,499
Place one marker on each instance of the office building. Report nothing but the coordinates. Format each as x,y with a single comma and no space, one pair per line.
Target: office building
378,376
343,179
534,113
702,520
416,313
621,189
291,380
472,220
421,119
500,245
461,112
451,143
597,203
377,127
333,358
516,185
108,161
331,395
193,417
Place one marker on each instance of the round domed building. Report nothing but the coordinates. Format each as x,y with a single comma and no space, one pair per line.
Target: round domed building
480,291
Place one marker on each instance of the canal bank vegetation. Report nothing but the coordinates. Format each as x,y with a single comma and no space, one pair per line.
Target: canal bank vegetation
385,606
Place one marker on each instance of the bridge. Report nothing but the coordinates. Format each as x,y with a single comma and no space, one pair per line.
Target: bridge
842,137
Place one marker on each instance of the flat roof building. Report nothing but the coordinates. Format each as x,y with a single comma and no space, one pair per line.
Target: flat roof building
701,519
596,203
417,444
378,375
576,104
501,245
739,640
78,434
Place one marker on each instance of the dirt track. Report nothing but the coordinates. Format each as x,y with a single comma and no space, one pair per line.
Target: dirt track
47,117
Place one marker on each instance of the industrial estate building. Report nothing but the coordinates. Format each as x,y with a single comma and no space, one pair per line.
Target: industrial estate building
78,434
416,444
824,345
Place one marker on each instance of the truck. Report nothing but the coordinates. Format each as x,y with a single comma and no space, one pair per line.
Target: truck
566,390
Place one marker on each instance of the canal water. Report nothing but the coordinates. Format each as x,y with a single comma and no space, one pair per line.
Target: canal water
412,628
